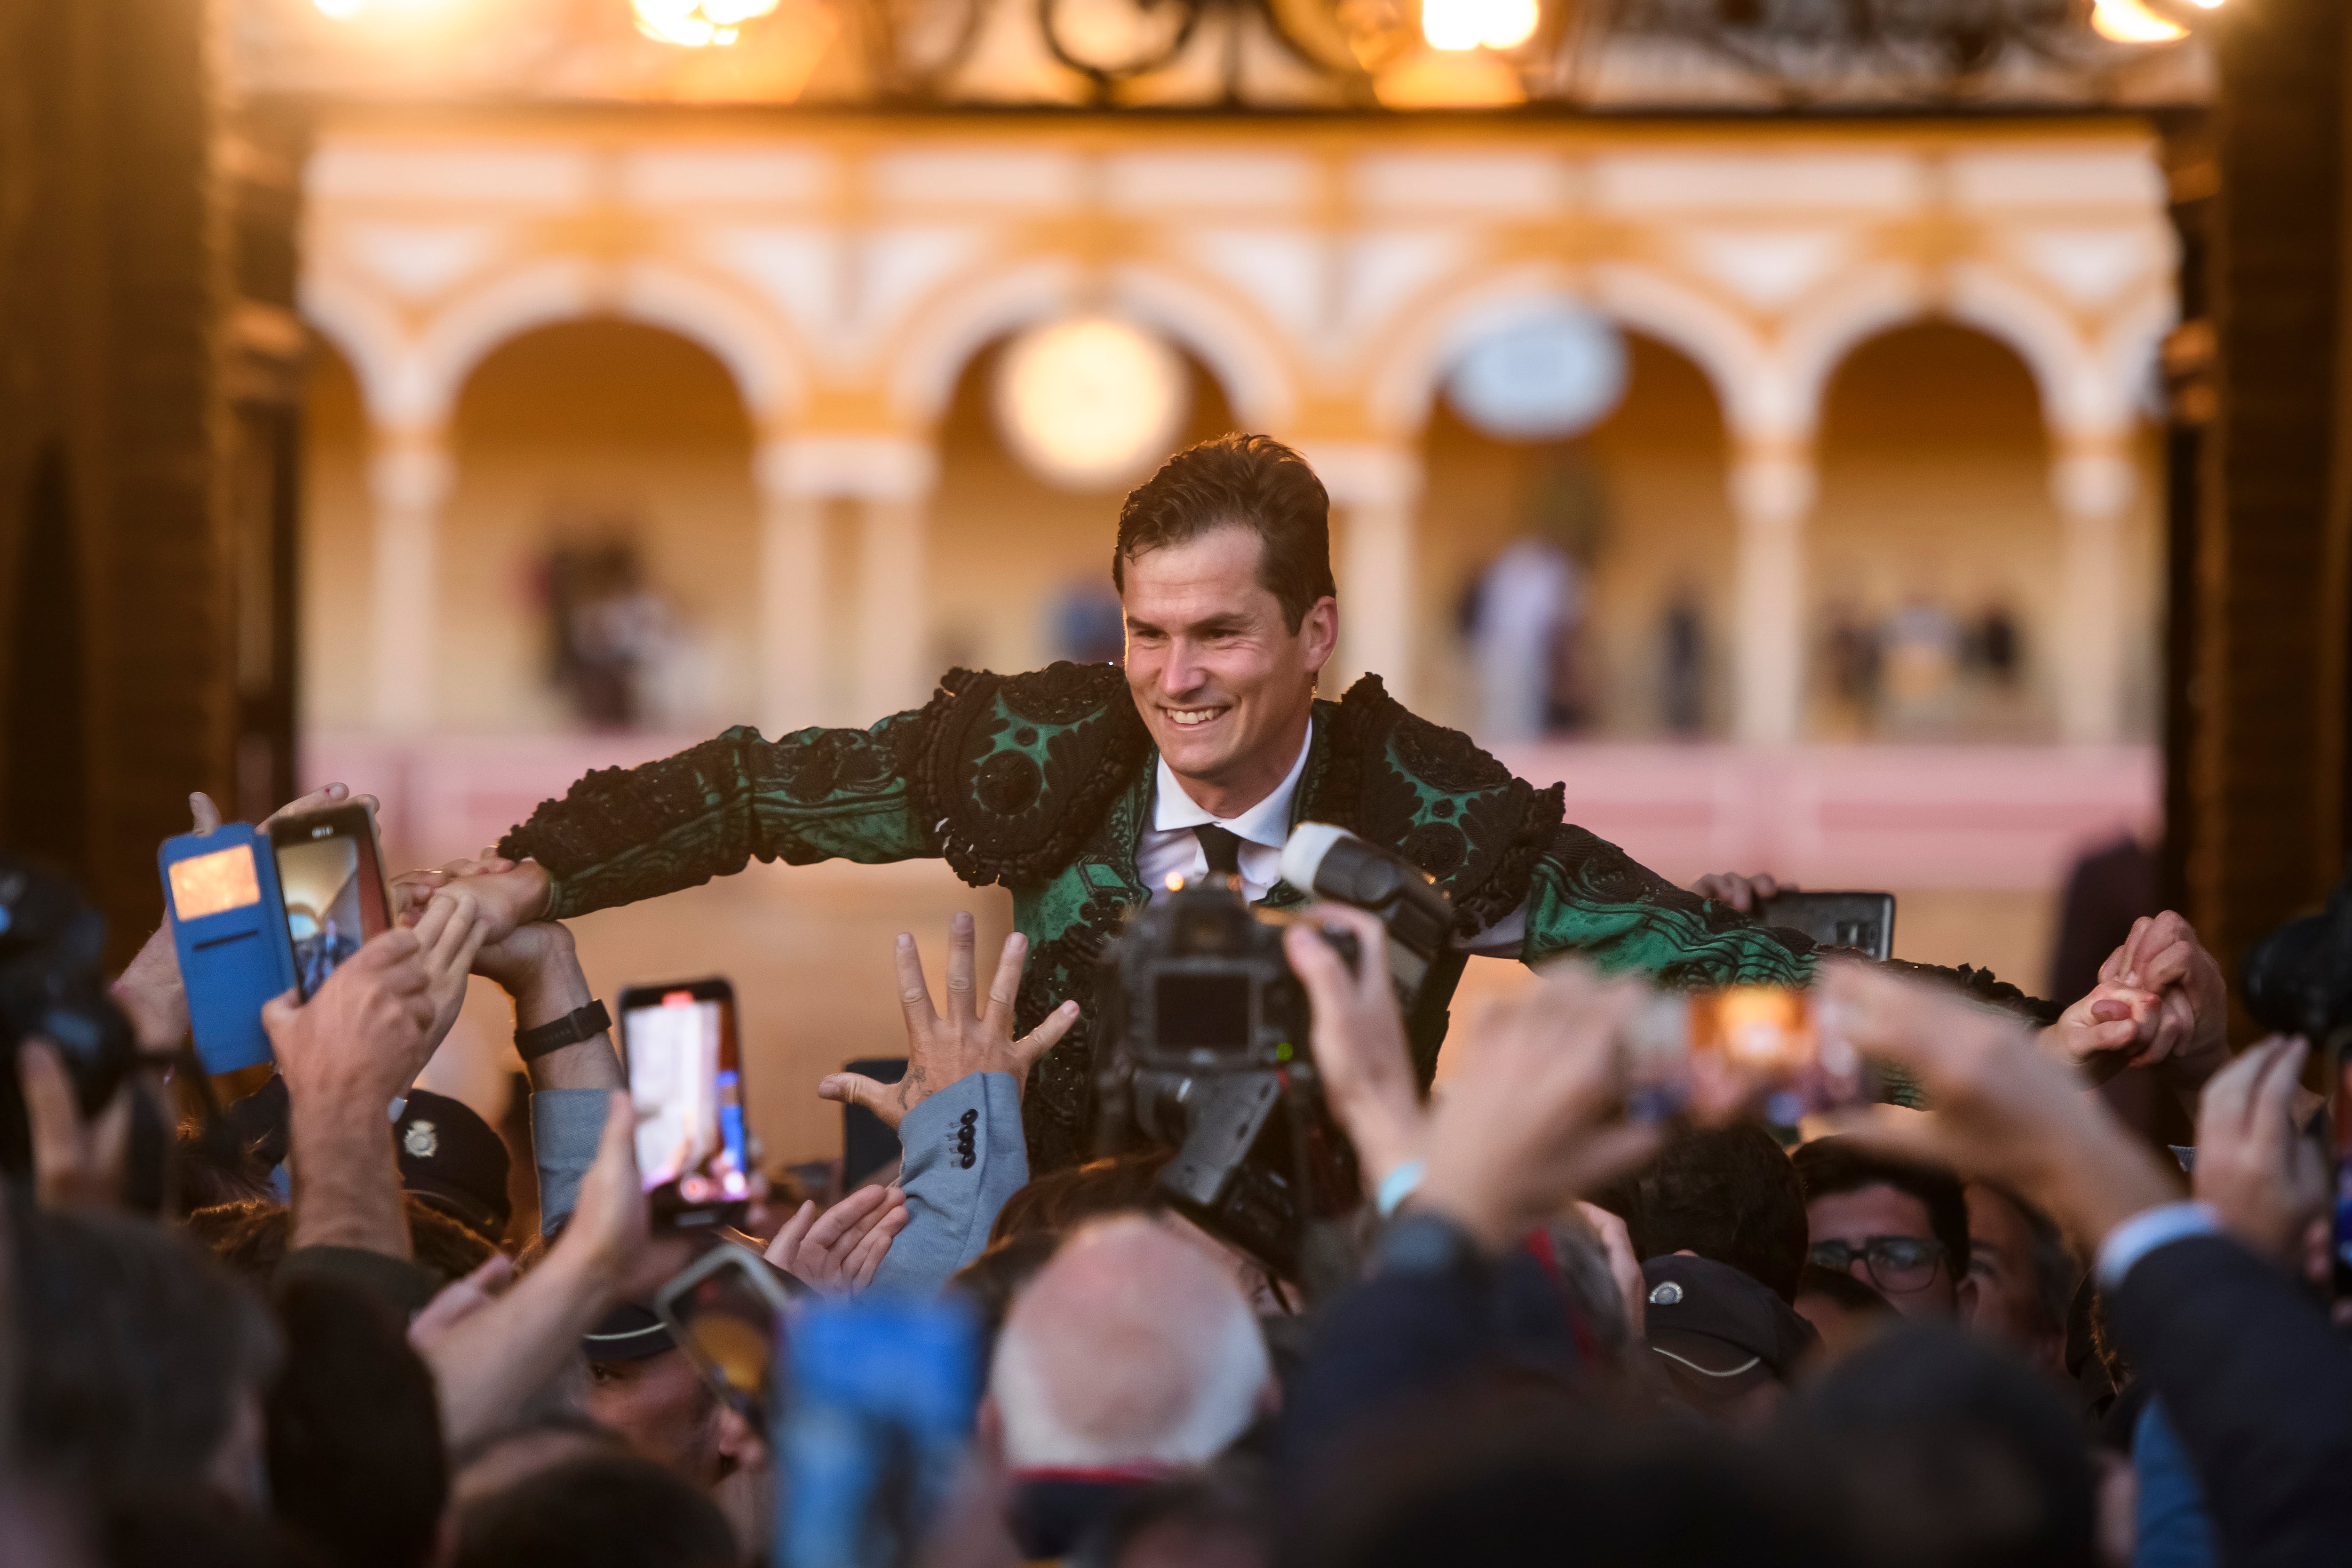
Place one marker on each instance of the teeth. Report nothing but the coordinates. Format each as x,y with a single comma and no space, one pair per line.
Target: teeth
1189,717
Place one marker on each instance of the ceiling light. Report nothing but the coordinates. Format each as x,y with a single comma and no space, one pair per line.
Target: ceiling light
2129,22
1478,24
696,23
1091,401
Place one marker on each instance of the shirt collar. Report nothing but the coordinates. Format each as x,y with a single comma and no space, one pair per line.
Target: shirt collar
1267,822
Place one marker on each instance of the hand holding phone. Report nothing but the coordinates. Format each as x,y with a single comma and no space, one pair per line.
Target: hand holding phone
684,1058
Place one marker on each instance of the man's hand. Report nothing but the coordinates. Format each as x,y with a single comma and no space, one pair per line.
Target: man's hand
1359,1039
1745,894
449,937
1523,1127
511,893
838,1252
77,1163
1625,1268
2254,1168
360,1040
2189,1034
2004,1109
968,1039
2099,1034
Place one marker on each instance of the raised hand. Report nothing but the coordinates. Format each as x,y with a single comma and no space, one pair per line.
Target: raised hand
2189,1034
448,937
77,1162
511,893
1524,1125
836,1252
2254,1168
967,1039
2102,1032
1745,894
1358,1040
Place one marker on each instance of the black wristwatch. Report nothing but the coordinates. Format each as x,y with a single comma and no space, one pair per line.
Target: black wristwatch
579,1024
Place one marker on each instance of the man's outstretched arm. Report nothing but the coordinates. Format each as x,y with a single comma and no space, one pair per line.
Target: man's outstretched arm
621,835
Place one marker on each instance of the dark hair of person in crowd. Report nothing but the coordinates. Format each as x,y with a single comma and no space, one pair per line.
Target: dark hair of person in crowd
2056,1272
193,1527
497,1460
103,1304
990,1281
612,1510
1727,1194
1061,1200
1828,1165
356,1463
1251,479
1222,1517
210,1167
1498,1477
1953,1454
250,1236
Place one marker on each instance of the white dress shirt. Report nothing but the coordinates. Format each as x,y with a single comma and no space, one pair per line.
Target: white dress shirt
1169,847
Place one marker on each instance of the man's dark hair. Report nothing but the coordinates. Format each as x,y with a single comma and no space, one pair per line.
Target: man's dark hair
193,1527
356,1464
1955,1455
1253,480
1061,1200
1727,1193
2056,1270
1830,1166
133,1351
607,1512
250,1236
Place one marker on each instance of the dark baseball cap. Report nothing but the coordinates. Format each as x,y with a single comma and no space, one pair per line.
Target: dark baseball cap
1718,1330
450,1157
629,1332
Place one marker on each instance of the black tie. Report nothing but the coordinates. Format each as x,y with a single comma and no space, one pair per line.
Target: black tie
1224,848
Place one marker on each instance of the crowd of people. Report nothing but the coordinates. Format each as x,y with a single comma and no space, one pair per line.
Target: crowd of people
2003,1331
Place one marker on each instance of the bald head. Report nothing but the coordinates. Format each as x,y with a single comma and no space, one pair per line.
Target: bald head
1132,1346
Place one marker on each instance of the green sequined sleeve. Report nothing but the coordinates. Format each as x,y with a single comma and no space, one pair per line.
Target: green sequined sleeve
1588,897
621,835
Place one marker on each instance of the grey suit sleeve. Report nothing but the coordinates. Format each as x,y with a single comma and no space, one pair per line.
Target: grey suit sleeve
965,1155
566,1126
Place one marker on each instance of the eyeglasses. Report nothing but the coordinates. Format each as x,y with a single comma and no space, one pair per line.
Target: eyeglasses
1899,1264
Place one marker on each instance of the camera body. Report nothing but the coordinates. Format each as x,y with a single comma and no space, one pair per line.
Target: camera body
2298,979
52,985
1208,1034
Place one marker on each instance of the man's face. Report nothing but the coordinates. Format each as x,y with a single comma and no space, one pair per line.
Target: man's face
660,1403
2007,1307
1221,681
1912,1275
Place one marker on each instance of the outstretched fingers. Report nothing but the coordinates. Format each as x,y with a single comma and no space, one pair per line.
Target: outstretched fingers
1005,990
963,962
914,989
1044,1038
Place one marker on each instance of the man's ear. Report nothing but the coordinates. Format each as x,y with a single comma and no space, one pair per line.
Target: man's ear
1318,629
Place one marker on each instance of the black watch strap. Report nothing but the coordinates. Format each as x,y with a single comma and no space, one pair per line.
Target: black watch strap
579,1024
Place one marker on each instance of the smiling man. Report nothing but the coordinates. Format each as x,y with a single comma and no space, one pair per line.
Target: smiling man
1084,788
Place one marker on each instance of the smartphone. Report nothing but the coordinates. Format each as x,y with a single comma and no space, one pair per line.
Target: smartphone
686,1079
1760,1045
726,1310
330,877
1863,921
228,925
882,1394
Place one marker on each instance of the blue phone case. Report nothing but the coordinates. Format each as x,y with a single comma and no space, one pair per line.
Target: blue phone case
235,959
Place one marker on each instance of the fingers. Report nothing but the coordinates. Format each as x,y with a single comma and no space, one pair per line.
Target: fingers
857,1089
786,1246
1044,1037
914,990
2130,951
962,939
1005,988
616,1149
52,1117
206,815
858,1270
2272,1113
866,1204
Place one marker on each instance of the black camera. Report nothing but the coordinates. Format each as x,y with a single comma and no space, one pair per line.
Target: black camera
1208,1052
53,985
2298,979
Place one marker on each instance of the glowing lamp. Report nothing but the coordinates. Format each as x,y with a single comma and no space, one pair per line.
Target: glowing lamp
696,23
2131,21
1089,403
1543,376
1478,24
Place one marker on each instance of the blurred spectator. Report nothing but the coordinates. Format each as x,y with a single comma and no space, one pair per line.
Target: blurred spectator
605,628
1844,1312
1525,606
1682,663
1920,663
1897,1226
1727,1193
1729,1347
598,1512
2024,1277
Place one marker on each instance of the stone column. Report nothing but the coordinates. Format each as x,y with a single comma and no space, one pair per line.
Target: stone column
1773,484
792,597
409,477
2093,482
1374,490
893,640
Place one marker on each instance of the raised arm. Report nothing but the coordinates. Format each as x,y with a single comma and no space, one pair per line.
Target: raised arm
625,834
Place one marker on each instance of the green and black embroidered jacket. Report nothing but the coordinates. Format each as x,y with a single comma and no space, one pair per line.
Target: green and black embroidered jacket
1043,782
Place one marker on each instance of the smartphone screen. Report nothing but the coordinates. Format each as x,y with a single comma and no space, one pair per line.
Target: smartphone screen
727,1312
330,876
685,1081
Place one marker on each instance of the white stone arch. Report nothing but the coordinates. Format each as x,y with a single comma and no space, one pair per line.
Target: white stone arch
1852,310
742,337
367,330
2079,393
937,338
1401,386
